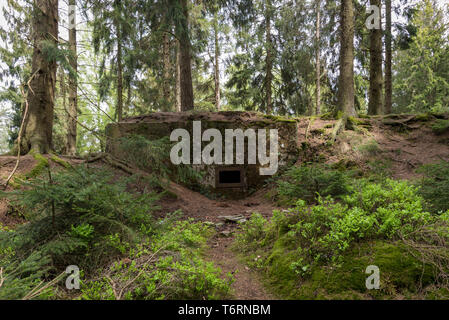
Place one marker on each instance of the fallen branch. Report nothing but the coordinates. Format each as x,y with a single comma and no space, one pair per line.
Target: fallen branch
19,137
1,277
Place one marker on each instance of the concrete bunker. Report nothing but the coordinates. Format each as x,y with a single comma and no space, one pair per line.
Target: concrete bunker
233,180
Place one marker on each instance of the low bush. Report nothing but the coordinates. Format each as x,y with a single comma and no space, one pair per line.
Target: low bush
170,266
104,225
154,156
434,186
297,243
440,126
308,181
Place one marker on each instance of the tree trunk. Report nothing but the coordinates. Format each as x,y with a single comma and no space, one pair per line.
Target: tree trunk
37,135
166,80
318,59
375,82
119,107
185,60
72,111
346,78
178,77
388,79
217,64
269,57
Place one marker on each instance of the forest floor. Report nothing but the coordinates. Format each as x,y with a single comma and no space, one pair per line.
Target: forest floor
404,150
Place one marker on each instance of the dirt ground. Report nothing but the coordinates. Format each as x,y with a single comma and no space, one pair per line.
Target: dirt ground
405,150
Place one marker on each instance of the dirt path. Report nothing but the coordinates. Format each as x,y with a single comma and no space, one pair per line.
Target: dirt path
247,284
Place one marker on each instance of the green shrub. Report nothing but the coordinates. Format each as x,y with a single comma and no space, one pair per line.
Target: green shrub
440,126
154,156
371,148
297,243
72,219
434,186
307,181
170,266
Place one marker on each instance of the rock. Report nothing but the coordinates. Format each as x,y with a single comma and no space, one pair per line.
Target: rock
226,233
235,218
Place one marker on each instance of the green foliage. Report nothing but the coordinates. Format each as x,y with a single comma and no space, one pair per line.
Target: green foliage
307,181
88,217
440,126
303,242
154,156
371,148
434,186
71,218
170,266
421,79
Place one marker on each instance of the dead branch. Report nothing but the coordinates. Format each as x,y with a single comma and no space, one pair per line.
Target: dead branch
1,277
22,125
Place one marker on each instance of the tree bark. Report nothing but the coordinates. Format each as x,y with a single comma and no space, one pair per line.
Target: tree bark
73,103
318,59
178,77
166,80
217,64
346,78
119,107
388,55
37,135
185,60
269,57
375,82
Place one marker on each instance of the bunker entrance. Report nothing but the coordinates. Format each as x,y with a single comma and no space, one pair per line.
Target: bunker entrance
229,177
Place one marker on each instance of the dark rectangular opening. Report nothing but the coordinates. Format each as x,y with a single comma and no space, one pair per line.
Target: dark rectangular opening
229,177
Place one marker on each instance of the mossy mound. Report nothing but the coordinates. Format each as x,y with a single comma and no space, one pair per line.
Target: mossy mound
440,126
401,275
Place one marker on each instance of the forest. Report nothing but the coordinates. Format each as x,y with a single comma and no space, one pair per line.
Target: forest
101,102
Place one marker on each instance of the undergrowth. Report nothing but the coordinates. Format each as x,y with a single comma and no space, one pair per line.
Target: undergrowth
384,223
92,219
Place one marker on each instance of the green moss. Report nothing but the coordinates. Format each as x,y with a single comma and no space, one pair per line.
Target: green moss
440,126
279,118
424,117
327,116
59,161
400,273
42,163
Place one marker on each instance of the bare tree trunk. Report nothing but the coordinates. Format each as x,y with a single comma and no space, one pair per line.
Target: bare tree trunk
318,59
178,77
128,97
375,81
388,74
166,80
186,85
41,93
346,78
269,57
119,107
217,64
73,103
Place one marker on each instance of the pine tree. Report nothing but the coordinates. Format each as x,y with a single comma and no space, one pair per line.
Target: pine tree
39,122
73,84
388,59
375,82
346,78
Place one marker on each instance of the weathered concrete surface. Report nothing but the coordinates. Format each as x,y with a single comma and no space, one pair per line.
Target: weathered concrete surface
158,125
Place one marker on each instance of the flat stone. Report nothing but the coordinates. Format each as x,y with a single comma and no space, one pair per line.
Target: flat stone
235,218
